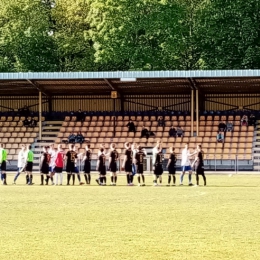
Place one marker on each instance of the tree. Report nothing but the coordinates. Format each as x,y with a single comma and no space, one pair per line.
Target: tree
25,44
136,35
229,34
72,35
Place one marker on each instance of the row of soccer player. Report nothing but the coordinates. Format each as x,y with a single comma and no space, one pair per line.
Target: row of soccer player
52,163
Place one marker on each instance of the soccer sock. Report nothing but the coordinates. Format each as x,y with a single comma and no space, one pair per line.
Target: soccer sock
112,179
127,178
51,179
31,178
105,179
143,178
189,178
160,179
139,179
79,177
89,178
204,178
56,178
27,179
47,179
181,178
131,178
42,179
173,179
16,176
86,178
73,179
4,177
115,178
101,180
169,179
197,179
61,177
68,178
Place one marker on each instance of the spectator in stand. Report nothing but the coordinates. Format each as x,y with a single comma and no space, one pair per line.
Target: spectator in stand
80,116
220,137
26,122
179,131
79,138
151,133
131,126
230,127
33,122
244,120
25,112
71,138
172,132
144,132
222,127
252,120
161,121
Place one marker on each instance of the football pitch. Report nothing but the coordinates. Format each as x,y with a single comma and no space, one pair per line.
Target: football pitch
220,221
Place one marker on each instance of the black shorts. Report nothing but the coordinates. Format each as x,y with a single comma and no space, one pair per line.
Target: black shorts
102,170
128,167
172,169
158,170
140,169
29,166
58,169
70,167
199,170
45,169
87,167
113,167
3,166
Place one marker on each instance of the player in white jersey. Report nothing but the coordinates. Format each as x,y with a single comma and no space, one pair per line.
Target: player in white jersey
21,162
53,153
186,164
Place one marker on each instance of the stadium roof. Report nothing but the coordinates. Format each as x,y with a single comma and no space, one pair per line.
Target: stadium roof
130,82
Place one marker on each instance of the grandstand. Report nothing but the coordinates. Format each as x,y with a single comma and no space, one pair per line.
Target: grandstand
195,100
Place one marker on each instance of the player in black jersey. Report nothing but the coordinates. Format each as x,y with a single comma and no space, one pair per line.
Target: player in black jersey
45,164
101,167
87,164
157,163
139,161
199,165
70,167
113,158
171,165
127,164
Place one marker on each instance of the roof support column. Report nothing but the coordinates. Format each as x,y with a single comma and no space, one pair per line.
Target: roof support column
40,115
197,112
192,113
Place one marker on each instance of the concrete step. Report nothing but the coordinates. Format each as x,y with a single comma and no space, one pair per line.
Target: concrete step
51,128
53,122
52,134
257,149
256,167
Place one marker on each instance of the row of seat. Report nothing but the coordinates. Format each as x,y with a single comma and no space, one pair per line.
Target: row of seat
155,118
19,129
18,134
10,119
18,140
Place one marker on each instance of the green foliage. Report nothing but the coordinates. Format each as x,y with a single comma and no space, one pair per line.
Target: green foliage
24,41
92,35
229,34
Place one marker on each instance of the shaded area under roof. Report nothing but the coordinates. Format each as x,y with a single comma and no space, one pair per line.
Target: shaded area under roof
147,82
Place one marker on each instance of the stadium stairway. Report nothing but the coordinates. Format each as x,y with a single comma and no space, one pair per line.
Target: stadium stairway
50,130
256,147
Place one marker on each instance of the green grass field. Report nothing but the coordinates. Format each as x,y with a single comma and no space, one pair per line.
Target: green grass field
220,221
